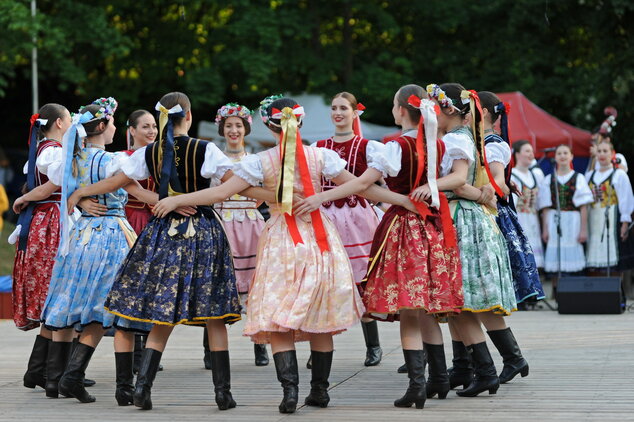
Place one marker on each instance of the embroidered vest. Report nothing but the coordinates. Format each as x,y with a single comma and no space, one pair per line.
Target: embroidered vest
41,178
527,203
566,192
604,193
403,182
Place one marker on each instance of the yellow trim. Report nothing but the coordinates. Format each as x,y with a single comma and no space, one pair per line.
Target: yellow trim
194,161
498,309
194,321
372,260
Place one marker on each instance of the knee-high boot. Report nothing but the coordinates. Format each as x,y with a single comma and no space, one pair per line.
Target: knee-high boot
438,381
87,381
288,376
72,382
58,354
150,361
415,394
461,373
221,375
322,362
261,356
514,362
207,355
373,352
485,376
36,368
125,378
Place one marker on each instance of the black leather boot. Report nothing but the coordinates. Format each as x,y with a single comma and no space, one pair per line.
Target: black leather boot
288,376
87,381
58,354
36,368
438,381
461,373
207,355
125,378
514,362
485,377
138,351
150,361
72,382
261,356
402,369
415,394
373,352
221,375
322,362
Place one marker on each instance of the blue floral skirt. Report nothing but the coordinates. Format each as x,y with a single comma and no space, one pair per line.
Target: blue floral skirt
525,275
82,279
180,271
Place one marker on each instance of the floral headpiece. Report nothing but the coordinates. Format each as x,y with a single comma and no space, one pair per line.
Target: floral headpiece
434,91
264,105
233,110
106,110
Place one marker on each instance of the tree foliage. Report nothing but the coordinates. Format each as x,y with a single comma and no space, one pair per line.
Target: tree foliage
572,57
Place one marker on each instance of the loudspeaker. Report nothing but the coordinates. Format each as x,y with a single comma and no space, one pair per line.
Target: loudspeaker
590,295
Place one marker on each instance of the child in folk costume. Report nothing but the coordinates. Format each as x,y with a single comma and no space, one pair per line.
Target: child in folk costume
303,287
486,270
37,235
241,219
574,197
527,180
610,214
354,217
89,256
414,270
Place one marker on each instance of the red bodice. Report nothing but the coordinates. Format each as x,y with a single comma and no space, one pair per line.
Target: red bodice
354,153
41,178
145,184
403,182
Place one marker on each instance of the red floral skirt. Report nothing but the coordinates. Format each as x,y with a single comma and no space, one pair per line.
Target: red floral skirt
411,268
33,267
138,218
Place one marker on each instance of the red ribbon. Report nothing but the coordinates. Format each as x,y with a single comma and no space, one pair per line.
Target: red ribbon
34,118
360,107
497,189
448,228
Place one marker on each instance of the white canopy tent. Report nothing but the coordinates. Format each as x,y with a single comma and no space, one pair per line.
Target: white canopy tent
317,125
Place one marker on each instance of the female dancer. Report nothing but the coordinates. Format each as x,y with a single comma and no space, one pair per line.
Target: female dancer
303,287
612,198
38,234
89,257
574,196
353,216
241,219
527,180
414,270
486,271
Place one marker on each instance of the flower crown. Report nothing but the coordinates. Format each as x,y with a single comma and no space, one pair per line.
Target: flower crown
264,105
434,91
106,110
233,110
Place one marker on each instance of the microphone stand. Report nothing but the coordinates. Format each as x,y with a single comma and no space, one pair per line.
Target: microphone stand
606,229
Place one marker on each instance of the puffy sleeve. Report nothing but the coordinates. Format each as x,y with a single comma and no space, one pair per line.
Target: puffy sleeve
457,147
624,194
622,161
216,163
250,169
333,164
135,166
498,152
543,194
115,165
49,157
583,194
385,158
539,175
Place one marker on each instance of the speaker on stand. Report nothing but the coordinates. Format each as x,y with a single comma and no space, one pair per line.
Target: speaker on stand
590,295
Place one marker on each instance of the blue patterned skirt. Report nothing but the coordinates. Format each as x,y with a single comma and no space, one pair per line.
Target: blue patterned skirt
525,275
180,271
82,279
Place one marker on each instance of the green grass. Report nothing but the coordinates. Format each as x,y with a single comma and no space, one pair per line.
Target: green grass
7,252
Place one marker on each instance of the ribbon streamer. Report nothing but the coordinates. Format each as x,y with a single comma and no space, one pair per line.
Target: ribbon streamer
504,109
356,122
166,146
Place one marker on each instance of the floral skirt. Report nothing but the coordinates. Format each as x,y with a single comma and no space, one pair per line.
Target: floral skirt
138,218
180,271
82,279
525,274
297,288
32,267
356,227
410,268
486,270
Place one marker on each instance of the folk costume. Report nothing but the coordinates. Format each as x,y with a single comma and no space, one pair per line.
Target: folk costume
573,193
138,212
613,204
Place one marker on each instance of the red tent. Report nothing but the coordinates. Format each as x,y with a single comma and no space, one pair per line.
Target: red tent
528,121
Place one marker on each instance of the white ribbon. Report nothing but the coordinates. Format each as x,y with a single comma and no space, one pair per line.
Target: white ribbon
430,121
176,109
42,122
298,111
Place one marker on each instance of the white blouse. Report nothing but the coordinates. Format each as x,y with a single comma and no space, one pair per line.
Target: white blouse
250,167
215,165
526,179
623,188
48,161
498,152
458,146
56,172
582,195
